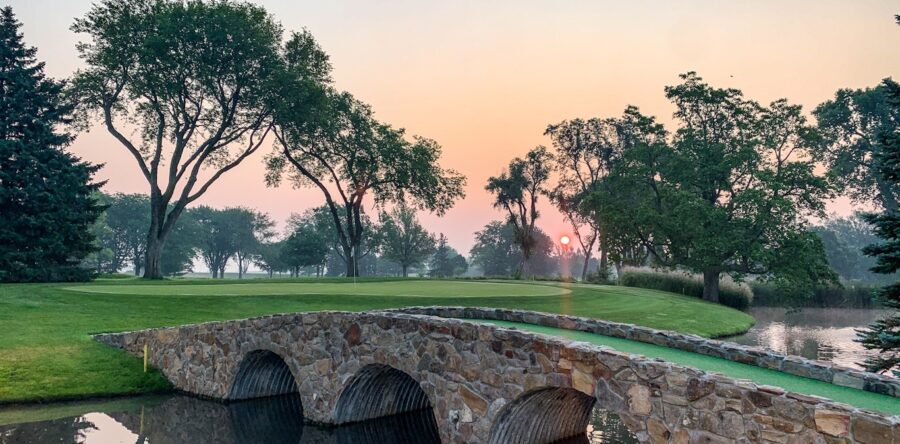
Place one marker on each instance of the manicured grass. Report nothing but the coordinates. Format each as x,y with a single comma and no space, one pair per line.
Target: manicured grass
46,351
798,384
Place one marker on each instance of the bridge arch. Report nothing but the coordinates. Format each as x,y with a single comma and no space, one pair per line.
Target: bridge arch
262,373
543,416
377,391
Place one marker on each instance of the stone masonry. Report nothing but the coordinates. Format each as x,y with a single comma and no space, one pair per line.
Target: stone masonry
484,384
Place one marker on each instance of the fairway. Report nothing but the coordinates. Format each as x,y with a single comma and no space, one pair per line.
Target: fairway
419,289
46,351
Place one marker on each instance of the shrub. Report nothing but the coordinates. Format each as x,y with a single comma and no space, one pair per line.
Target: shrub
731,293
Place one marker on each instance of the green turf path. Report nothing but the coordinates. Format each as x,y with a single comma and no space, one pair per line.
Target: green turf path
798,384
46,352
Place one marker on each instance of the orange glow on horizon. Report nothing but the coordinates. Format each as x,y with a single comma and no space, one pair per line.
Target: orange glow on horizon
484,79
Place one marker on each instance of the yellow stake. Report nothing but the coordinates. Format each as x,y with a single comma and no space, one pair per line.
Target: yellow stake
146,350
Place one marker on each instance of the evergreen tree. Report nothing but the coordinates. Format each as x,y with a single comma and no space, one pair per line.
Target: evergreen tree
884,334
46,203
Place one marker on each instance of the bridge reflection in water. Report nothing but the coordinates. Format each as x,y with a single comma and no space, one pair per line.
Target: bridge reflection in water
271,420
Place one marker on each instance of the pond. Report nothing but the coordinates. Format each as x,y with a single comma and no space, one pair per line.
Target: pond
180,419
826,334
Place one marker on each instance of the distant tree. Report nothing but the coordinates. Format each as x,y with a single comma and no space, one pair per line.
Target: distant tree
854,125
729,193
128,218
495,251
217,235
47,207
844,239
102,259
446,262
342,151
402,239
586,150
304,248
184,244
270,258
884,334
192,78
516,191
252,229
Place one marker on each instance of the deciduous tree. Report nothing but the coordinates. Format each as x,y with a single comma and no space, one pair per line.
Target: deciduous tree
517,190
729,192
402,239
191,77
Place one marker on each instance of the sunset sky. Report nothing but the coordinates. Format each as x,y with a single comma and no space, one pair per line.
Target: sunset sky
484,78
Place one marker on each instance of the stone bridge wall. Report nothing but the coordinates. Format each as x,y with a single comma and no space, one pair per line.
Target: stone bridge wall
484,383
757,356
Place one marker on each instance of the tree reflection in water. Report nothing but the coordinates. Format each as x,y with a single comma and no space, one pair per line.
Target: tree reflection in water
273,420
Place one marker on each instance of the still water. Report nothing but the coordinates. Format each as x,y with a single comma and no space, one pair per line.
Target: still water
180,419
814,333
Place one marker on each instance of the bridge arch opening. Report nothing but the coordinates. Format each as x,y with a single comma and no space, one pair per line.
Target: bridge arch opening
377,391
544,416
260,374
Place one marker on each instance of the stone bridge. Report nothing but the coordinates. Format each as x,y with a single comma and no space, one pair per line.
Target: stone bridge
487,384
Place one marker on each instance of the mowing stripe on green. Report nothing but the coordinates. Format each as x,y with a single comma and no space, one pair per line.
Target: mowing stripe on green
798,384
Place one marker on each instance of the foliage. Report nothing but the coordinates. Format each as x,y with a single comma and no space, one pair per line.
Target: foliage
330,141
270,257
496,253
306,246
847,295
856,124
732,294
729,192
192,77
884,334
47,206
585,151
516,190
446,262
402,239
844,239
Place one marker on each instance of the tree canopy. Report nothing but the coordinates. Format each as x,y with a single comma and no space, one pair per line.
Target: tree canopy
402,239
729,191
855,125
47,202
193,78
342,151
517,191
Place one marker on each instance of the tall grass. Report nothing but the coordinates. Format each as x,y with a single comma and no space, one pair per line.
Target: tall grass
733,294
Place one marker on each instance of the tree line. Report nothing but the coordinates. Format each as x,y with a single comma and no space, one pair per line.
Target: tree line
394,245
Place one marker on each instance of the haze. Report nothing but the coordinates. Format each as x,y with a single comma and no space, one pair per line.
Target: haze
485,78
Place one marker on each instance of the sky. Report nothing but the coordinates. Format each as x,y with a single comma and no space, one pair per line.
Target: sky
485,78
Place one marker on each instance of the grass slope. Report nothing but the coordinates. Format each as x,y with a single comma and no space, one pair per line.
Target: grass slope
798,384
46,352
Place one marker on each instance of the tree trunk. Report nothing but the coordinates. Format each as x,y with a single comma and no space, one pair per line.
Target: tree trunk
351,261
711,284
240,267
405,274
152,267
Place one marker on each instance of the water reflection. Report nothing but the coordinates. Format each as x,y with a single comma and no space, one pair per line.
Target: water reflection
605,427
276,420
182,419
815,333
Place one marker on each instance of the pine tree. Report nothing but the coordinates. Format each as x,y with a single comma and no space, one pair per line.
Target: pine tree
46,202
884,334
